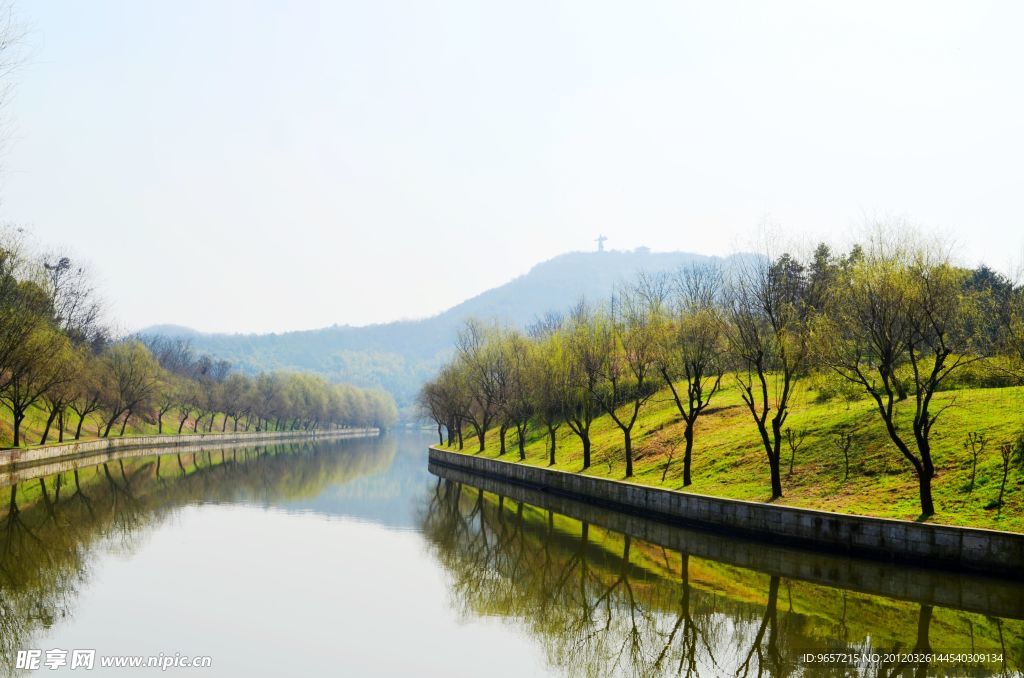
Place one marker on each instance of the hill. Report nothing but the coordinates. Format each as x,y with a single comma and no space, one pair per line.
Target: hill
400,356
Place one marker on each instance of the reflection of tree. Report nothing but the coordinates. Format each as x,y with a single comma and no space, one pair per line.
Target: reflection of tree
584,591
604,603
768,655
50,526
31,596
687,631
922,646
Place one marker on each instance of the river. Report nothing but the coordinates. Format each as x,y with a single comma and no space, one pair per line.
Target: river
349,557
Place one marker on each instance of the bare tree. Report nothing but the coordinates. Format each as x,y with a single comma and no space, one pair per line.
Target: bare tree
547,382
131,377
175,354
431,404
627,340
1006,453
974,444
767,311
584,361
519,404
692,350
794,439
63,391
12,38
843,442
482,371
88,391
166,398
77,311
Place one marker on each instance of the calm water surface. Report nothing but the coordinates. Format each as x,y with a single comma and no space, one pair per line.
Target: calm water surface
351,558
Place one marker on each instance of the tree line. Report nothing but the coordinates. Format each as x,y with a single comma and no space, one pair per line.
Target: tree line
58,355
893,318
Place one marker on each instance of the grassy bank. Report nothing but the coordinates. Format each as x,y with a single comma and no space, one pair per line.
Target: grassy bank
729,461
35,421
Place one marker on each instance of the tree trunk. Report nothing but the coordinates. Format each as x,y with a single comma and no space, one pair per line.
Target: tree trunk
18,417
628,441
923,644
440,435
687,454
551,454
160,423
925,487
78,429
501,434
124,423
60,425
775,456
773,464
586,450
49,423
110,425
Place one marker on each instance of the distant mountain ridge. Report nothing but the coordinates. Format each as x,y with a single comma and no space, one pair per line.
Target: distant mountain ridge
399,356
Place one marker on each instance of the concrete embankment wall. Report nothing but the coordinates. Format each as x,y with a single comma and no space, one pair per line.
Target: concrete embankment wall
18,473
948,547
35,455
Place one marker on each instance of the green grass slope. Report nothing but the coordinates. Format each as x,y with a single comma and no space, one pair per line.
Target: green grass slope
729,461
35,421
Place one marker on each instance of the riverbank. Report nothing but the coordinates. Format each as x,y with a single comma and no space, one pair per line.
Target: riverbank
541,570
18,457
929,545
983,595
729,460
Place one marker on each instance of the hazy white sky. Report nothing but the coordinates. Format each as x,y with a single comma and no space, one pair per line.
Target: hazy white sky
257,166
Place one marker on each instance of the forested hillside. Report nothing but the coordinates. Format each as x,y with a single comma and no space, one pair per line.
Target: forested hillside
401,356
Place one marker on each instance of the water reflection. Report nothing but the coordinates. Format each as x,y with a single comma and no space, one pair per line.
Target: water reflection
604,602
56,517
601,593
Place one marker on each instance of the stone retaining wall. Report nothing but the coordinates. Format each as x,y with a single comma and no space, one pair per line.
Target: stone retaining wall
956,548
19,473
35,455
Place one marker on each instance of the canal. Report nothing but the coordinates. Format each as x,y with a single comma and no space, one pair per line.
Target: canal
350,557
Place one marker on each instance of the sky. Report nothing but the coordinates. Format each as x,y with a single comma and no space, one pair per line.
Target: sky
255,166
